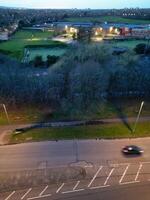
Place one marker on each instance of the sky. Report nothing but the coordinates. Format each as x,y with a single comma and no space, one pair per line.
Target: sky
76,3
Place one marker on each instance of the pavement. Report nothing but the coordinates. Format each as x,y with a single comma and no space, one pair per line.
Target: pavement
122,181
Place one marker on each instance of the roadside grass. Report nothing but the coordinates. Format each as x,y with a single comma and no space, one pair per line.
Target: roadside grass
23,115
15,46
110,109
110,19
102,131
121,108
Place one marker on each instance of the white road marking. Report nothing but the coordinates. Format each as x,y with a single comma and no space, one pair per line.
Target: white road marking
39,197
108,176
98,187
145,162
100,168
124,174
60,188
140,167
66,192
76,185
43,191
26,193
10,195
117,165
125,183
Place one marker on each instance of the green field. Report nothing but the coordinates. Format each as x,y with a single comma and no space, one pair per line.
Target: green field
15,46
44,52
105,131
110,19
131,44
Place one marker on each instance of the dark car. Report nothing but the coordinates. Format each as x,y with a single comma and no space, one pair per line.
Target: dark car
132,149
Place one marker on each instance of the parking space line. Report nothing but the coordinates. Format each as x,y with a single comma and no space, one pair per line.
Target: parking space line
43,191
125,183
76,185
43,196
98,187
124,173
108,176
62,185
71,191
29,190
100,168
137,175
116,165
145,162
10,195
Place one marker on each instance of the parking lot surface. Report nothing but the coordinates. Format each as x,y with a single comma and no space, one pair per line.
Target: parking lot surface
98,177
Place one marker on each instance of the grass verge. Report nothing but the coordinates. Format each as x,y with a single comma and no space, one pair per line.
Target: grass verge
103,131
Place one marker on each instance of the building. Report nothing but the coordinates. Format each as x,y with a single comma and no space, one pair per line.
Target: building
3,36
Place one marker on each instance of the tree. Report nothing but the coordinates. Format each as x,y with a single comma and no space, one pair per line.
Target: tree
51,60
38,61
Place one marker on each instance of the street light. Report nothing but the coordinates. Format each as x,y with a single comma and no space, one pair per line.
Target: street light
6,113
138,116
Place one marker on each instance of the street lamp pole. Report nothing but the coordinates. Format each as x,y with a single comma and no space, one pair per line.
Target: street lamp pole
6,113
138,116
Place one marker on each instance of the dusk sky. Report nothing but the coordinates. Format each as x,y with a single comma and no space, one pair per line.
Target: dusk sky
76,3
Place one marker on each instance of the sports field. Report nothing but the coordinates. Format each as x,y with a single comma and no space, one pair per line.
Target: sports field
110,19
131,44
44,52
15,46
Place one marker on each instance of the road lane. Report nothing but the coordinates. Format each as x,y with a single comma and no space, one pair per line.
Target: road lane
31,155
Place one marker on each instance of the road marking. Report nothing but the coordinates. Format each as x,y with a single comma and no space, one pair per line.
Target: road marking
125,183
117,165
76,185
43,191
145,162
26,193
66,192
60,188
98,187
140,167
47,195
124,173
108,176
10,195
100,168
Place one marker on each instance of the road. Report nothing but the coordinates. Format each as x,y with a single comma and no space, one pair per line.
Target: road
29,155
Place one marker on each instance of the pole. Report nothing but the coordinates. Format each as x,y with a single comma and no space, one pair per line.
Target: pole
138,116
6,113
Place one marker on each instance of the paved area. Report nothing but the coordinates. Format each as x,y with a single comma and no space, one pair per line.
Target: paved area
98,177
62,153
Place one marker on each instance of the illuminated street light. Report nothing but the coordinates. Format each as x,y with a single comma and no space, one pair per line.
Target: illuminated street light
138,116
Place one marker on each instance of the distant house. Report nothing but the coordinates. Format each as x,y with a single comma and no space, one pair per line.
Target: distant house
3,36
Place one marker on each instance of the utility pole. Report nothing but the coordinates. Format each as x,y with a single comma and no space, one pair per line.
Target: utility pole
138,116
6,113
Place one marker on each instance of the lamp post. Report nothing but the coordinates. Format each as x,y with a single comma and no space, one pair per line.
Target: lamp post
6,113
138,116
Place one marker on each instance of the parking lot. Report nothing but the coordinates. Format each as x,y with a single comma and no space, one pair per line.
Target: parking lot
97,177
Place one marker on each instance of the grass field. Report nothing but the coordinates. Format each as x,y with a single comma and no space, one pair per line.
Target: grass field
131,44
105,131
44,52
15,46
110,19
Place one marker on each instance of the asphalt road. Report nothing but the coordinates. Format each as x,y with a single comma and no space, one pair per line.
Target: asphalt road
31,155
137,191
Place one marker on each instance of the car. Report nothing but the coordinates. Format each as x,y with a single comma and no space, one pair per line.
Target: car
18,131
132,150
